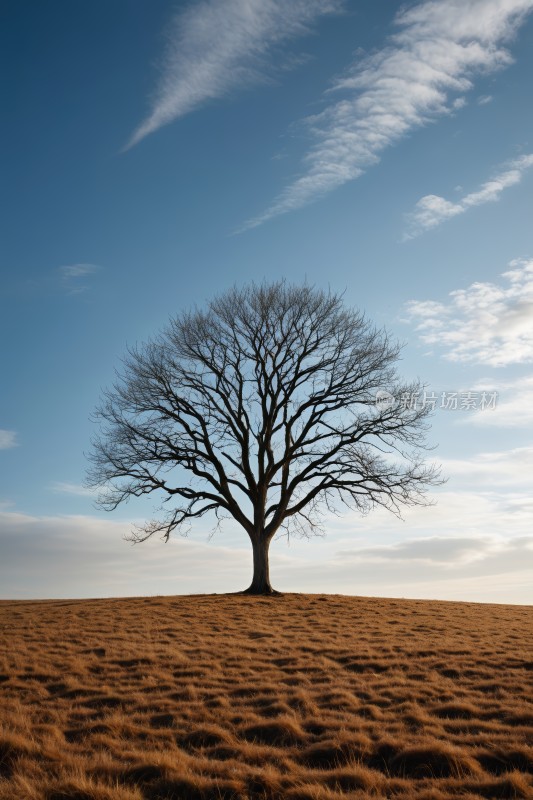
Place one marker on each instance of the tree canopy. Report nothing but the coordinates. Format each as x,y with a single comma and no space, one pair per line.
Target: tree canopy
262,407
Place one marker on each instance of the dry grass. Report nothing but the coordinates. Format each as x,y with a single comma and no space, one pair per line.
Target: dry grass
304,697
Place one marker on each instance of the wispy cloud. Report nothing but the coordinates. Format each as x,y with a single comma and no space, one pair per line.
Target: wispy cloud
73,276
441,551
487,567
419,75
8,439
487,323
514,408
62,487
498,469
217,46
431,210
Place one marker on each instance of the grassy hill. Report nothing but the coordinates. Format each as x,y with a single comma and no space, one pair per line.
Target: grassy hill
305,697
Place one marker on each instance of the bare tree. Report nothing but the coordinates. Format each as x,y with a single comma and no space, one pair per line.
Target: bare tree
262,408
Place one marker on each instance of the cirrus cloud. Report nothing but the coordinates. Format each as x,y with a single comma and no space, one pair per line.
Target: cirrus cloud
431,210
217,46
8,439
76,489
421,74
73,276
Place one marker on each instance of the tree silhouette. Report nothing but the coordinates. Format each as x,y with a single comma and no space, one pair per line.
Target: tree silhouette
262,408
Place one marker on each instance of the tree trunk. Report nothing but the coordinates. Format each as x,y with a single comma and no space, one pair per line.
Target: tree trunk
261,580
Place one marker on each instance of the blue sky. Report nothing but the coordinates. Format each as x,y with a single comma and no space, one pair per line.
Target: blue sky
157,153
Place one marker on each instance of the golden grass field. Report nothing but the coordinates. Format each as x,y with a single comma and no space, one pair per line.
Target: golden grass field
305,697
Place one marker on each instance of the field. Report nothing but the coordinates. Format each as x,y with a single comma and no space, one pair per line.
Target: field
305,697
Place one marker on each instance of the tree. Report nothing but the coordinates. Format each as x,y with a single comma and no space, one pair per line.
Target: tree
262,408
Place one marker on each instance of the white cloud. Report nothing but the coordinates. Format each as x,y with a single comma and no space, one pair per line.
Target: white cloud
77,270
73,276
216,46
8,439
474,544
487,568
431,210
514,408
487,323
488,493
63,487
508,468
444,551
484,99
414,79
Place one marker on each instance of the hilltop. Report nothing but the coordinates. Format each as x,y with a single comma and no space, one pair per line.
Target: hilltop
304,697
